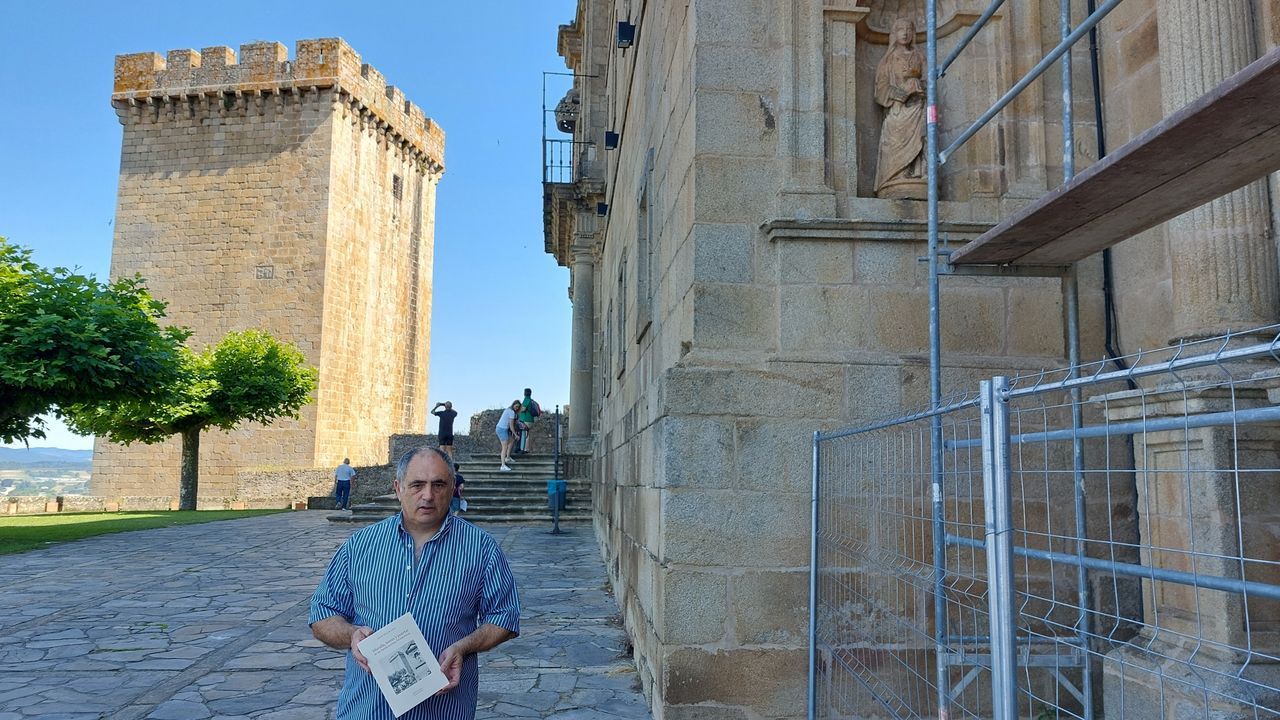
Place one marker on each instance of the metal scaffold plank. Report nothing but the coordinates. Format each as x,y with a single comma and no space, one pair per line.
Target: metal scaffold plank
1222,141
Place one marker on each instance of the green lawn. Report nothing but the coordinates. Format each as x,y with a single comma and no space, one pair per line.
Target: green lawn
28,532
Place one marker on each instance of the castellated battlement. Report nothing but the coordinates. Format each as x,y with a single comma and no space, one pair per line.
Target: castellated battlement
264,69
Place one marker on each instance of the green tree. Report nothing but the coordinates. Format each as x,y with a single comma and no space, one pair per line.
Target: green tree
248,376
67,339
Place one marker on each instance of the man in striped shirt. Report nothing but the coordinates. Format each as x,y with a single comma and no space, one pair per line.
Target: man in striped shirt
448,573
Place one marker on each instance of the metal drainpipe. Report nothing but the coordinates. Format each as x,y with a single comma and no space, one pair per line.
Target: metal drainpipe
1111,330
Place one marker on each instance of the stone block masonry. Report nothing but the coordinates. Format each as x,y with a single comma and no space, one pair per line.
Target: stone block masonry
292,195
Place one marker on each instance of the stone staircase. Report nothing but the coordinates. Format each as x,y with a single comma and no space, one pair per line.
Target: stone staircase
495,497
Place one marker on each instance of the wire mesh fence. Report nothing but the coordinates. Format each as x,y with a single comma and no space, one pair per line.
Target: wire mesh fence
1085,543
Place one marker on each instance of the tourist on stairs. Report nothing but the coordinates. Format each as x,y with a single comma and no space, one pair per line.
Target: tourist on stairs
507,432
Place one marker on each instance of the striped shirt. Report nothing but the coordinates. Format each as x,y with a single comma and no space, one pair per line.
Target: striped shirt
460,582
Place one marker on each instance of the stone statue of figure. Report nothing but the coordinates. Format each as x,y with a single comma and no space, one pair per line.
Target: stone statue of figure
900,88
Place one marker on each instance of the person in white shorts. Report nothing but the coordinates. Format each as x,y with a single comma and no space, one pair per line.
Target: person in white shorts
507,433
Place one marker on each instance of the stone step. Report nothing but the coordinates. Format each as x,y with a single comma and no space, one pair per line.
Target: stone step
546,471
520,469
502,506
520,483
516,472
565,517
516,460
517,485
478,518
516,496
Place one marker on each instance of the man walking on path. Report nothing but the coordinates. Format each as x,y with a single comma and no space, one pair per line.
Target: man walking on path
342,488
529,412
445,432
449,574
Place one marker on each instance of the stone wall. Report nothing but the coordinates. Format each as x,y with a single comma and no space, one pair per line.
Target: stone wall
464,446
282,487
40,504
744,286
285,487
746,290
295,197
482,440
377,295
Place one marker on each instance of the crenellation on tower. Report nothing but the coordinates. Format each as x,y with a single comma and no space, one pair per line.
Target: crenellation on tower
264,68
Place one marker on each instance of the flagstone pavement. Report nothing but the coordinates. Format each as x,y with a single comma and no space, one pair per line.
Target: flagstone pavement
210,621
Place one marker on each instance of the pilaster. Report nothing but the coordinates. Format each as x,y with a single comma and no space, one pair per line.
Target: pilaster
1207,507
802,95
840,20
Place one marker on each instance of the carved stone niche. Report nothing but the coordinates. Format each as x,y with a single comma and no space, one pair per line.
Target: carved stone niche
855,38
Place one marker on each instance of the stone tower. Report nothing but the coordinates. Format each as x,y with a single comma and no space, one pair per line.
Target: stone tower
295,196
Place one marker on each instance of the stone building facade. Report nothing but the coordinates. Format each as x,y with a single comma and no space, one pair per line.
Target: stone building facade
736,284
295,196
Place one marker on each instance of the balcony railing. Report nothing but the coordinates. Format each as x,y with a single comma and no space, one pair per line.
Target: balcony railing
558,160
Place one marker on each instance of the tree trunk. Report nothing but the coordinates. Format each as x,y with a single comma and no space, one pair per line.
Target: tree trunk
190,469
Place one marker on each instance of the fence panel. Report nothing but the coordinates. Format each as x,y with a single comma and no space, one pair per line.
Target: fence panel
877,582
1145,546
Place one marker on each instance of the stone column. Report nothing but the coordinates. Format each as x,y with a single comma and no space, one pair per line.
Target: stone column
582,357
1222,253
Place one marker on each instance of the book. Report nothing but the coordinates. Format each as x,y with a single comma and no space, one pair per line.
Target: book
403,664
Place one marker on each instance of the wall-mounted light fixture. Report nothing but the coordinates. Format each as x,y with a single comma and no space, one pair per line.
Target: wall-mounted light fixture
626,34
602,209
610,140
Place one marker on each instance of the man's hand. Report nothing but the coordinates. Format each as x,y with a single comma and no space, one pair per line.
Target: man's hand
357,635
339,634
451,666
485,637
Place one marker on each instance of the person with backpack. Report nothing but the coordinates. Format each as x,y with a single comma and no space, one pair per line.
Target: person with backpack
529,412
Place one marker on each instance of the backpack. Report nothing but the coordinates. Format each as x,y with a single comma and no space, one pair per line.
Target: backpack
534,408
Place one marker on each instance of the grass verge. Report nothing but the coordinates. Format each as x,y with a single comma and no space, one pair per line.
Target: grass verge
28,532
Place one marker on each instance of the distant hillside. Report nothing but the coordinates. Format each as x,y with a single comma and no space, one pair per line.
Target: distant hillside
28,457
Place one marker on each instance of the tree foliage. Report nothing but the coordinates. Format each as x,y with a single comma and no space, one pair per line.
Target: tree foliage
67,339
247,376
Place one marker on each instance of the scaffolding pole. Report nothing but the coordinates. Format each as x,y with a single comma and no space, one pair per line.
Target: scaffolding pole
935,158
1071,310
935,363
812,710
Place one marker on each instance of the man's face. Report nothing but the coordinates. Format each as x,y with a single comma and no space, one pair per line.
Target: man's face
426,490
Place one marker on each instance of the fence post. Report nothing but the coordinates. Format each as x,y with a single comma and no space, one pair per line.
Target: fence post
998,518
813,585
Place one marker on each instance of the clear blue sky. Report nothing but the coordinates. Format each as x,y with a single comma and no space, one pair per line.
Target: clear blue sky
501,312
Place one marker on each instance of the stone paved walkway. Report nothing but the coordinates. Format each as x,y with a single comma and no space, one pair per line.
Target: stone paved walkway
209,621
